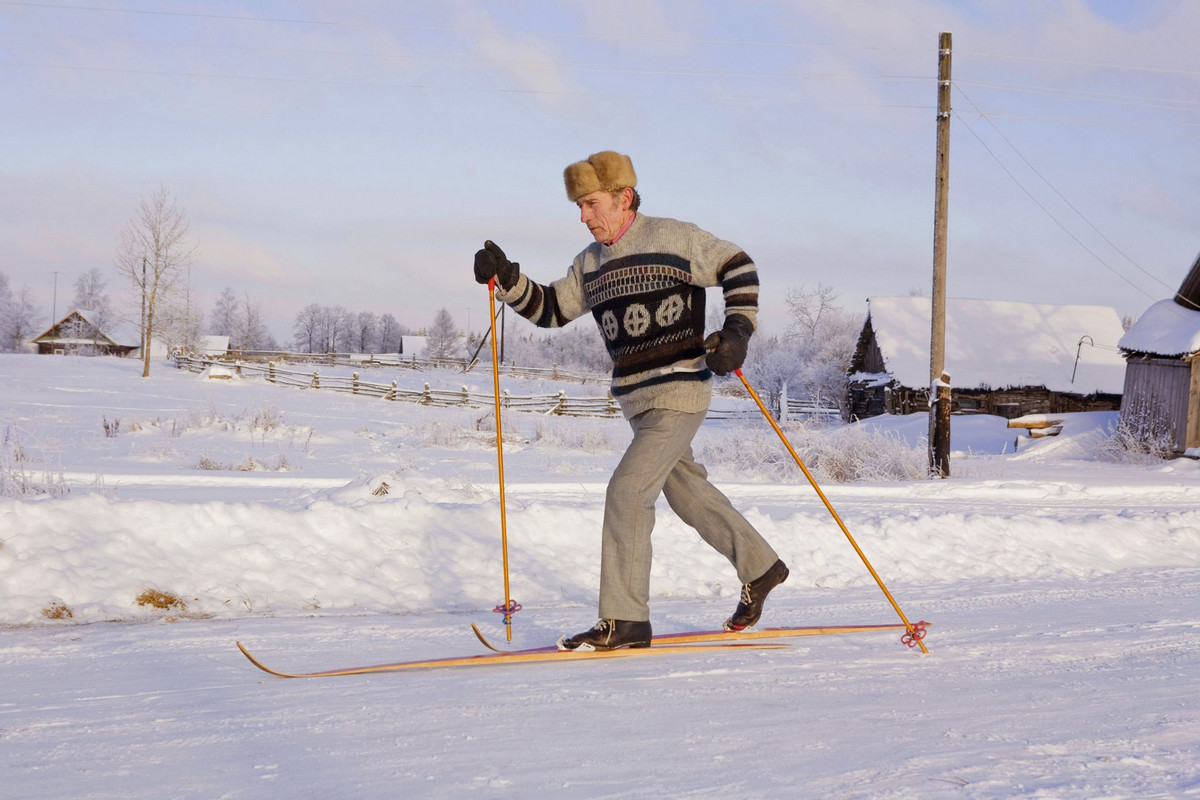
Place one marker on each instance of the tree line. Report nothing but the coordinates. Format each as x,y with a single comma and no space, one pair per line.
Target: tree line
154,256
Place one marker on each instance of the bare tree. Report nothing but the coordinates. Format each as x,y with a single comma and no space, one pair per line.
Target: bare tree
153,253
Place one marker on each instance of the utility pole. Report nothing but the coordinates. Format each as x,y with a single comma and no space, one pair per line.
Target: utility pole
145,342
939,379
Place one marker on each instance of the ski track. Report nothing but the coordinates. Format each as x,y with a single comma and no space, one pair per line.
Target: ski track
1025,693
1064,663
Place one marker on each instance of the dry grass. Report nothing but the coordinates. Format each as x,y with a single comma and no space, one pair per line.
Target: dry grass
163,600
57,609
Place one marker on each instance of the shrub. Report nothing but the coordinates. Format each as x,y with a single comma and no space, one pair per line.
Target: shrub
842,455
1142,434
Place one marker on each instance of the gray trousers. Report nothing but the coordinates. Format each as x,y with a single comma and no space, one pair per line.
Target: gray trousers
659,460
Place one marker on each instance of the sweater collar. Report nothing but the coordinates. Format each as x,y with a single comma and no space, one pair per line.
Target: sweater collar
621,232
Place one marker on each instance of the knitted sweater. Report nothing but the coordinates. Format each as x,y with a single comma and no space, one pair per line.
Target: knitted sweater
646,292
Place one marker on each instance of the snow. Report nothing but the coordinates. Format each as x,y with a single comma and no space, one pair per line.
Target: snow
1166,328
1064,649
1000,344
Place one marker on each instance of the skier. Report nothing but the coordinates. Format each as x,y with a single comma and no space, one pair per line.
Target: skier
644,280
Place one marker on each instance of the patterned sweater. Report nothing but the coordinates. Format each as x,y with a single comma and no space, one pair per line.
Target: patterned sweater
646,292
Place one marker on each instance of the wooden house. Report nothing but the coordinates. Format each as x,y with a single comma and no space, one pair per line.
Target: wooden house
77,334
1162,373
1004,358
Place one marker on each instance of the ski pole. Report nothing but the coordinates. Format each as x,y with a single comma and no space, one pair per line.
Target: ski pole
915,633
509,608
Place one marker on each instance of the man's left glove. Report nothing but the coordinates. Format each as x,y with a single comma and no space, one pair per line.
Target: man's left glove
490,262
727,348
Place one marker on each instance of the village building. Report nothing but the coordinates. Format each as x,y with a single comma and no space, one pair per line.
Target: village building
1004,358
77,334
1162,376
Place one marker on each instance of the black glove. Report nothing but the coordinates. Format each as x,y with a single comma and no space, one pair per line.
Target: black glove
490,262
727,348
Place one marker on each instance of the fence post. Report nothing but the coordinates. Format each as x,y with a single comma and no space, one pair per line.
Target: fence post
613,408
427,396
270,371
316,380
560,406
354,383
391,393
237,368
466,401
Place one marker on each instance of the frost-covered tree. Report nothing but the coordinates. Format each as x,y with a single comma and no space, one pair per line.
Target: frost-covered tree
90,296
223,318
153,253
17,315
391,334
442,340
306,329
812,357
249,329
365,334
336,325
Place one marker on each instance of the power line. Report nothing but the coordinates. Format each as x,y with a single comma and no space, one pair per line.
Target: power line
158,13
1078,63
1132,100
1062,197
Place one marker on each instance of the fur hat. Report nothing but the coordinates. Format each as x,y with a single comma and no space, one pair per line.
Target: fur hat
607,171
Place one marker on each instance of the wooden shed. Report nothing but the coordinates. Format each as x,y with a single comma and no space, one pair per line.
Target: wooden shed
1004,358
1162,373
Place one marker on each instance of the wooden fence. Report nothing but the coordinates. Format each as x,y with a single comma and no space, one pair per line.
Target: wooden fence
395,360
558,403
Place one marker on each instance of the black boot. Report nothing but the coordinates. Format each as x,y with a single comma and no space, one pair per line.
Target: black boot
609,634
750,608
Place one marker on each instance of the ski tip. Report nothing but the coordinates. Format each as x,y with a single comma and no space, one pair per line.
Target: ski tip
483,639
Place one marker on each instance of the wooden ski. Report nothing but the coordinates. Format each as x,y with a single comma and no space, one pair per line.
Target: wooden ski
540,654
732,637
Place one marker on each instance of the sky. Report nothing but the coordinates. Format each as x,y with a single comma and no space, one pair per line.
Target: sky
358,154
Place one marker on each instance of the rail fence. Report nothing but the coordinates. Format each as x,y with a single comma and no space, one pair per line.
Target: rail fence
396,360
558,403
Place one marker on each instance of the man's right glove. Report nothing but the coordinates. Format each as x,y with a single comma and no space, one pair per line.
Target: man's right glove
727,348
490,262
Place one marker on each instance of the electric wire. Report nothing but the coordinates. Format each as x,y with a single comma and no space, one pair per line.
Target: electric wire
1065,200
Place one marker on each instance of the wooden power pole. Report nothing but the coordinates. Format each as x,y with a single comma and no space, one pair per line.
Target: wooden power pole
939,379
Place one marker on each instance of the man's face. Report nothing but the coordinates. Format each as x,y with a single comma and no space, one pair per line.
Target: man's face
603,213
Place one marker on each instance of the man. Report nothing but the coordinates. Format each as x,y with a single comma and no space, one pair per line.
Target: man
643,279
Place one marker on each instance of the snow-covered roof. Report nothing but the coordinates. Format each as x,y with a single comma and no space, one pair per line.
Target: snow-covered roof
84,315
998,343
1166,329
214,344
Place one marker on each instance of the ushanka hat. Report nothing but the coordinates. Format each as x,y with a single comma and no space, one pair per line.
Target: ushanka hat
607,171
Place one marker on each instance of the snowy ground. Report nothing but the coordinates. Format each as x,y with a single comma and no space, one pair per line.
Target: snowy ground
1063,592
